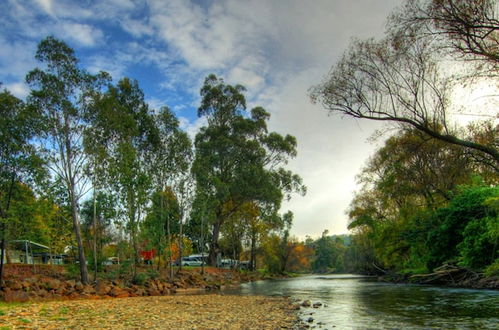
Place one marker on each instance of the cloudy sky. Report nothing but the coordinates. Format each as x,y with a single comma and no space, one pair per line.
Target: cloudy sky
278,49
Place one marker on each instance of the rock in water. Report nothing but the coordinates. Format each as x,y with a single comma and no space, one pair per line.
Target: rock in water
306,303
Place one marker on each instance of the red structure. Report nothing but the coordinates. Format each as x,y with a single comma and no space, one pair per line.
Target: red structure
148,255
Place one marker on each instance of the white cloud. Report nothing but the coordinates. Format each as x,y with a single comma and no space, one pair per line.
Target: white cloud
46,5
16,58
83,34
19,89
191,127
136,28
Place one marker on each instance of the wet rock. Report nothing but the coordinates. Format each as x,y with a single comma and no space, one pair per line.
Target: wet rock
317,305
306,303
310,320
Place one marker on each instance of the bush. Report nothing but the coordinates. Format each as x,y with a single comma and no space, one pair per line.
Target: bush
493,269
152,274
444,241
72,270
478,246
140,279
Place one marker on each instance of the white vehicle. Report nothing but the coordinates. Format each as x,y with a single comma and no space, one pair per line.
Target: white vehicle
191,261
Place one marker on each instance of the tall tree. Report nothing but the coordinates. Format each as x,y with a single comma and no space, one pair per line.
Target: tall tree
18,124
59,91
172,159
405,79
126,138
237,160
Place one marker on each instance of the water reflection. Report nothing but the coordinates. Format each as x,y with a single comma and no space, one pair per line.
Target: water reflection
354,302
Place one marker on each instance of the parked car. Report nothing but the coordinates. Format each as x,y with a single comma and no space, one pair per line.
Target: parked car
191,261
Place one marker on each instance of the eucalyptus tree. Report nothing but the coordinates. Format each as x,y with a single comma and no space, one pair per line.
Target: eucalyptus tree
126,138
18,124
171,160
237,160
60,92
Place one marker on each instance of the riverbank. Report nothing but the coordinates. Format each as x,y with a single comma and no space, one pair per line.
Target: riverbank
210,311
447,275
25,283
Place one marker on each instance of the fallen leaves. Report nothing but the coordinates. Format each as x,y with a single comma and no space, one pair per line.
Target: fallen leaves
211,311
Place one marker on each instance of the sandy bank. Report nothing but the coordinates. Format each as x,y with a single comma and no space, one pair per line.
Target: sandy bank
211,311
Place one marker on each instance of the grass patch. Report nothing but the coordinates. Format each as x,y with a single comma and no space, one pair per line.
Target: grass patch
44,311
25,320
4,304
63,310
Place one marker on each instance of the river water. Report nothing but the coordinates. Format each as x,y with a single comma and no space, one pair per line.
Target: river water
355,302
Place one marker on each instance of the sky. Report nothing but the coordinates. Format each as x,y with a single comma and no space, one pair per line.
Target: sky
277,49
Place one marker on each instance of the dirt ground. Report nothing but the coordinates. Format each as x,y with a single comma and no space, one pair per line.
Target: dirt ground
210,311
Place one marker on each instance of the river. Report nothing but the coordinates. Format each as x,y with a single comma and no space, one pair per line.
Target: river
356,302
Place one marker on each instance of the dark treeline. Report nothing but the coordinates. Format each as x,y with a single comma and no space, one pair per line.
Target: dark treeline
89,169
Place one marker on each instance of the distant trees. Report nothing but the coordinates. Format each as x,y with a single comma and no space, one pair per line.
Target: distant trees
406,78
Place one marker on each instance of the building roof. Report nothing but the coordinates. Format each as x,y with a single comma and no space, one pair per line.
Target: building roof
33,245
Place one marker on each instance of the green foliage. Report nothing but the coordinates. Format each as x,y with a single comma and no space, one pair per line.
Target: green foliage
462,221
414,212
72,271
492,269
329,254
164,212
237,160
140,279
152,274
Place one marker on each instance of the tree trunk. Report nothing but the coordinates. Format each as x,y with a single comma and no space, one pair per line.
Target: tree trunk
3,228
214,247
94,224
81,253
252,251
169,239
202,243
180,243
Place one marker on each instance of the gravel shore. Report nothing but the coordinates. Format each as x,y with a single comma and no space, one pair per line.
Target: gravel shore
211,311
